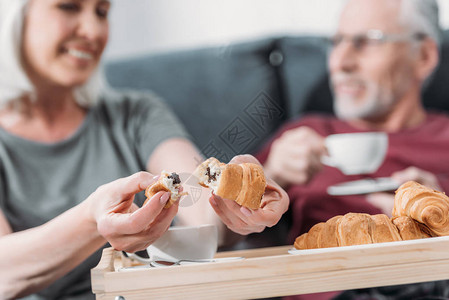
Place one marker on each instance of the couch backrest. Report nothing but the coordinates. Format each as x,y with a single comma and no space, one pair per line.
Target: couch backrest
227,97
304,65
231,99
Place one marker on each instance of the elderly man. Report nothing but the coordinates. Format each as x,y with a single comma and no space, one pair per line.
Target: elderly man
382,54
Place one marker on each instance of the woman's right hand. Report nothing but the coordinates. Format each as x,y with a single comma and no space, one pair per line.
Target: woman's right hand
121,222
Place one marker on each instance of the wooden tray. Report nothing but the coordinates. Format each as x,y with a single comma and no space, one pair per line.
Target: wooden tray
271,272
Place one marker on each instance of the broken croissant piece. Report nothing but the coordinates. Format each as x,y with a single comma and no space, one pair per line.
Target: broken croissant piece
168,183
244,183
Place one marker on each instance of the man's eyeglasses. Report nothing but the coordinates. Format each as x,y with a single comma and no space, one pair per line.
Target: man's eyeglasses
372,37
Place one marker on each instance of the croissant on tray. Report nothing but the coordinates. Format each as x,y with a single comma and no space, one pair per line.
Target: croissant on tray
419,212
358,229
244,183
424,205
410,229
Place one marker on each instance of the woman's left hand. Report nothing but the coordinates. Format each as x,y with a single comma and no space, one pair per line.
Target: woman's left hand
244,221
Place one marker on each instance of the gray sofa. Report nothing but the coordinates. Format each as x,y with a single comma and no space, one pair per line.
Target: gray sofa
231,99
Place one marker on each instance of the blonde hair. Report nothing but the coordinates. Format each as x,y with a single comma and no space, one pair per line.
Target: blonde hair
14,82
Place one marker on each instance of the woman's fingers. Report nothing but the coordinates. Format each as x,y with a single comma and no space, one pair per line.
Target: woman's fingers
131,185
242,220
149,212
129,236
121,222
244,158
238,218
228,210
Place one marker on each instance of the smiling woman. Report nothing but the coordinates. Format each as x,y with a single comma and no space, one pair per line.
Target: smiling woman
34,56
77,33
74,155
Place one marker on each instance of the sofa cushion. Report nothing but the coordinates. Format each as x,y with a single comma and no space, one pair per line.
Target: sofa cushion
227,97
304,64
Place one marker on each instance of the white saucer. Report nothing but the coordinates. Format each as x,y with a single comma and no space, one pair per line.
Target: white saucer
363,186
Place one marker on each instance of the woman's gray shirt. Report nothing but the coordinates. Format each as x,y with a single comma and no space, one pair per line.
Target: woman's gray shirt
39,181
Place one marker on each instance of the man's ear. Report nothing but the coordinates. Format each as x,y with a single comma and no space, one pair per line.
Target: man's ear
428,58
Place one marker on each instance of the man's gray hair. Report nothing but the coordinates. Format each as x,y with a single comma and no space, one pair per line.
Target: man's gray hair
422,16
14,82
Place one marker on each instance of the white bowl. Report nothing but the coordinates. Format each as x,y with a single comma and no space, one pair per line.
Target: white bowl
184,242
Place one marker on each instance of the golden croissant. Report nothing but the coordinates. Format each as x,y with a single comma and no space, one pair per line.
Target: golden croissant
419,212
424,205
358,229
244,183
409,229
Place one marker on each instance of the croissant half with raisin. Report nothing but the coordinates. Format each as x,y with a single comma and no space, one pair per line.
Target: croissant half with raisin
166,183
424,205
244,183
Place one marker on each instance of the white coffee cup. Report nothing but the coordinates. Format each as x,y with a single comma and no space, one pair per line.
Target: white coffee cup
356,153
183,242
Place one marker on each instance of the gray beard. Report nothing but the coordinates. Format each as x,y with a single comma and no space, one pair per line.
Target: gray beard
376,104
345,110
